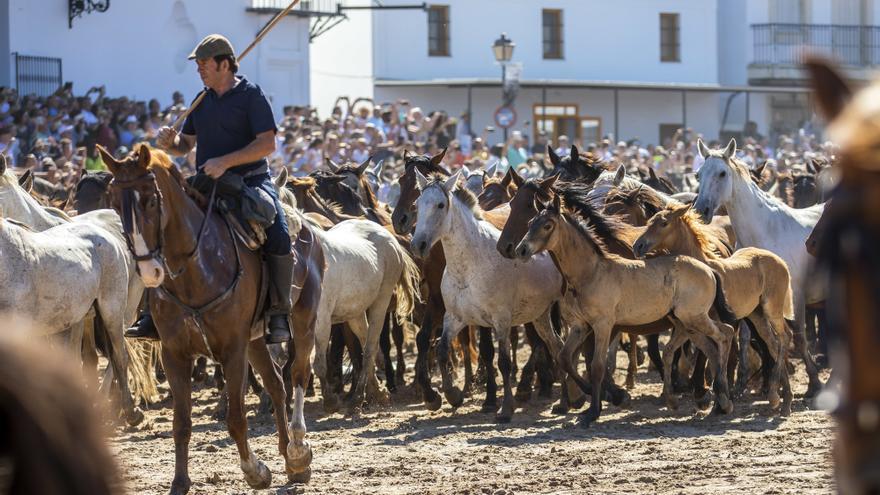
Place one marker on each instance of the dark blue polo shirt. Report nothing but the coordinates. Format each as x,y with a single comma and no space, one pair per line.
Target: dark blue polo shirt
223,124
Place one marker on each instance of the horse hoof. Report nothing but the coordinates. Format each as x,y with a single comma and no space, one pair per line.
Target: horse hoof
180,486
454,396
723,405
489,407
434,403
260,480
559,409
579,402
619,397
331,404
672,403
503,418
523,395
812,390
774,402
584,420
301,477
704,401
299,457
785,410
135,417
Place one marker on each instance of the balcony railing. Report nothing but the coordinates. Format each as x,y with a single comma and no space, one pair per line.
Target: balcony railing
304,7
786,44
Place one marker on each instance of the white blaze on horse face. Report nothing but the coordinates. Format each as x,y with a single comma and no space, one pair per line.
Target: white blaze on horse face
432,207
715,186
151,271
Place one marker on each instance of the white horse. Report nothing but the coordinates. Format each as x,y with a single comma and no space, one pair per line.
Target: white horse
608,180
763,221
480,287
18,205
475,180
365,266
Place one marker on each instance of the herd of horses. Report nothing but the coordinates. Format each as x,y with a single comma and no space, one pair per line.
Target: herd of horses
577,262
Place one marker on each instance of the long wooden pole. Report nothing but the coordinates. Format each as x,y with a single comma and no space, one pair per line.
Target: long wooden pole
263,32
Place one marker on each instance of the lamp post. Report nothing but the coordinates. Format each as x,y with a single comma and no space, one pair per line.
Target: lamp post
503,50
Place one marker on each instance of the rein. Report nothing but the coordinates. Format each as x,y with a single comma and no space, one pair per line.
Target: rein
156,254
196,313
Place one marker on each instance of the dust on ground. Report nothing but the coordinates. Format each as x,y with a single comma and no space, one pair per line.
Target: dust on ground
406,449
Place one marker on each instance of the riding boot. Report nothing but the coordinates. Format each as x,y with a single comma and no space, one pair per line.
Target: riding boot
144,328
280,281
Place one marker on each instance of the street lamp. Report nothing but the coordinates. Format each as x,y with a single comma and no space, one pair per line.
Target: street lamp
503,50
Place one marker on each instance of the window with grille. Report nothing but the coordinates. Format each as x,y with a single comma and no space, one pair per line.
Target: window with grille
670,47
438,30
552,24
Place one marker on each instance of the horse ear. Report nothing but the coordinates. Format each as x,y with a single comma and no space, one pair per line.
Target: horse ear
405,155
449,185
554,158
829,89
377,170
144,157
574,152
652,174
702,149
282,178
485,178
642,174
546,185
760,168
421,180
618,177
557,203
466,170
515,177
363,167
437,159
26,180
730,150
112,163
332,165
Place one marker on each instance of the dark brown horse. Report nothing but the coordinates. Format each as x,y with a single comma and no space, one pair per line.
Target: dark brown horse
92,191
847,248
209,290
576,166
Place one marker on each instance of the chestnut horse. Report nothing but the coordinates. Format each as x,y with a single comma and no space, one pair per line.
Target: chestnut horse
208,293
845,240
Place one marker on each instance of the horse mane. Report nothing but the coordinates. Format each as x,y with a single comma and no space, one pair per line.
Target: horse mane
646,199
425,165
308,186
460,193
706,241
586,229
575,195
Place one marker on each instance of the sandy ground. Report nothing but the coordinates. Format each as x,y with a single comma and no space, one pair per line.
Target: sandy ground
406,449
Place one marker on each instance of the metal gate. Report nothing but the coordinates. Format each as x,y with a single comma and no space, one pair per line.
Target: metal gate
39,76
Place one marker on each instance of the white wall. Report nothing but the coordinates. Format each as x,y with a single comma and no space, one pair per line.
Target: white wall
139,48
640,112
342,61
602,40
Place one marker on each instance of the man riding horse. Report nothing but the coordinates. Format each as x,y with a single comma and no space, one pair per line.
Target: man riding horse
234,131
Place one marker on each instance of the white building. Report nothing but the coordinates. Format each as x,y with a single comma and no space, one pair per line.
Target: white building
633,68
139,48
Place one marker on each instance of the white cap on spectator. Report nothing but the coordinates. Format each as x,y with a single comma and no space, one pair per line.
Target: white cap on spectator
65,128
131,119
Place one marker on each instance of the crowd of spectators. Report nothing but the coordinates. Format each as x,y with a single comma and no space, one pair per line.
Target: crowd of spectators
56,136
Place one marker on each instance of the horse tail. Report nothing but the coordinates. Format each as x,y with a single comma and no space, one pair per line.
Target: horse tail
141,361
142,356
556,317
724,312
407,287
788,304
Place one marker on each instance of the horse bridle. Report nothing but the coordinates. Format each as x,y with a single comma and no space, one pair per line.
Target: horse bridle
130,213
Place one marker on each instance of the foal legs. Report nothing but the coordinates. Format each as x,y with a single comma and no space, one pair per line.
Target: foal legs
602,333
